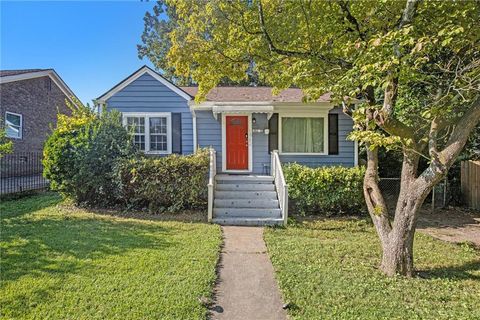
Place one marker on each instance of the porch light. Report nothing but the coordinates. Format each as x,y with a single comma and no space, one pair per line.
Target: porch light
254,120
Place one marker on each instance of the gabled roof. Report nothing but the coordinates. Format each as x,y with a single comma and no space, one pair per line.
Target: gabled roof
137,74
7,76
250,94
4,73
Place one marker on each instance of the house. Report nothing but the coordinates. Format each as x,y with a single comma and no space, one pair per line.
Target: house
245,126
29,102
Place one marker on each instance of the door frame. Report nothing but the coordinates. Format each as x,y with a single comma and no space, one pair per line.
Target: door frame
224,142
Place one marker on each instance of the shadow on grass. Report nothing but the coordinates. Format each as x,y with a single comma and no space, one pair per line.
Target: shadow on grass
18,207
60,244
459,272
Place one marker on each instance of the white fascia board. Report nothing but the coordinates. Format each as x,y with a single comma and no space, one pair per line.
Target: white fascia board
138,74
258,106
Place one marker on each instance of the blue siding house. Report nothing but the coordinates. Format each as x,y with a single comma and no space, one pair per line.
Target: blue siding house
250,130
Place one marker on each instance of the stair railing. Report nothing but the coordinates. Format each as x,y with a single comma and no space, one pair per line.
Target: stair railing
211,182
280,185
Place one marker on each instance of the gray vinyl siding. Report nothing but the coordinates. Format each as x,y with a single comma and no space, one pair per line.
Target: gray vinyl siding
261,155
146,94
209,134
346,151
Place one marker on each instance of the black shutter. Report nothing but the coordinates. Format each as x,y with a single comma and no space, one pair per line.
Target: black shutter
176,133
273,133
333,133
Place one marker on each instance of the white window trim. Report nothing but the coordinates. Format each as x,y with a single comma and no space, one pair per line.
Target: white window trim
21,124
147,116
224,143
304,115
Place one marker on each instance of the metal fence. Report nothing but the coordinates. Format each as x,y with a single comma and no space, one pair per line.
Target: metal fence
438,198
21,171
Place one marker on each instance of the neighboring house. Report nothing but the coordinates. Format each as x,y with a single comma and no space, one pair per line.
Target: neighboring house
29,103
244,125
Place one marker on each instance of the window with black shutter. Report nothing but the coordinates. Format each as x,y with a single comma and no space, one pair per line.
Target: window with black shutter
177,133
273,133
333,133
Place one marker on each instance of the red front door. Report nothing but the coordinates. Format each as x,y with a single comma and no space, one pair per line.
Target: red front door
237,142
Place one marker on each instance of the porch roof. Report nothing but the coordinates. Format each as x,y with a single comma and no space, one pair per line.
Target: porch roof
253,94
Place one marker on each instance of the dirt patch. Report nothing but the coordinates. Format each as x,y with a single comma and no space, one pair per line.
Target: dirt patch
184,216
453,224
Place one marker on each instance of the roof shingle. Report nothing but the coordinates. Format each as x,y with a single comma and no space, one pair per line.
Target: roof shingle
5,73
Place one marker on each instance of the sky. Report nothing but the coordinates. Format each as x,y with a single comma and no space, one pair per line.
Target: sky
91,45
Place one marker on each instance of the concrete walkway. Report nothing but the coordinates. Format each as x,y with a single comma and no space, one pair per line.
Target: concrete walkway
247,288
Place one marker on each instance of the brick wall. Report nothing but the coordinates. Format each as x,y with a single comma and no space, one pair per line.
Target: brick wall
37,100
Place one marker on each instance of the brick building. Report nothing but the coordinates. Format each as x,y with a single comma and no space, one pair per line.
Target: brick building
29,103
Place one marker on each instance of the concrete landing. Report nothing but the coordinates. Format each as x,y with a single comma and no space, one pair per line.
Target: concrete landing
246,288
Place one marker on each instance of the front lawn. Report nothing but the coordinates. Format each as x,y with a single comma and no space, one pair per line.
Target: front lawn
327,270
61,263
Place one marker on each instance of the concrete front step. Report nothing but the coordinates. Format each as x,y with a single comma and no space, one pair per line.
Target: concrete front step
245,187
248,221
269,195
239,179
246,203
247,212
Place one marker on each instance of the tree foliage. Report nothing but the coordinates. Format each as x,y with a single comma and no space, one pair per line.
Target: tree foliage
81,154
6,145
412,69
156,44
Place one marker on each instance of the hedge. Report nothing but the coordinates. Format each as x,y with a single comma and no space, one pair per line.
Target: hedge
165,184
325,190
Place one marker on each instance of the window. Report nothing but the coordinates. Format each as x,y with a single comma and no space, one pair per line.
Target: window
303,135
151,131
136,125
13,125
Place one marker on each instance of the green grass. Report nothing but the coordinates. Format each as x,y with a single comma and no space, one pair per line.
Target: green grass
63,263
328,270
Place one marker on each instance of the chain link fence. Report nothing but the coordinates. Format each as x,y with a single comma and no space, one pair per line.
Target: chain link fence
438,198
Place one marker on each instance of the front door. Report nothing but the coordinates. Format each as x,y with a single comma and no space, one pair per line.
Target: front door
237,142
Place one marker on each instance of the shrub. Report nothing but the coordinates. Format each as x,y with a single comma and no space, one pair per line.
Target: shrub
166,184
325,190
82,152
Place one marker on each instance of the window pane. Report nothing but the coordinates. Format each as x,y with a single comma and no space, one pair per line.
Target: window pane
13,132
137,124
302,135
139,142
12,120
13,126
158,143
158,125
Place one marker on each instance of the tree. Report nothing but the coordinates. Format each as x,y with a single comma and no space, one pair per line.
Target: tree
156,44
413,67
6,145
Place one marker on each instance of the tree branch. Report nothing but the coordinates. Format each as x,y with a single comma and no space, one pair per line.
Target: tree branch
345,5
385,119
373,196
408,13
291,53
460,133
